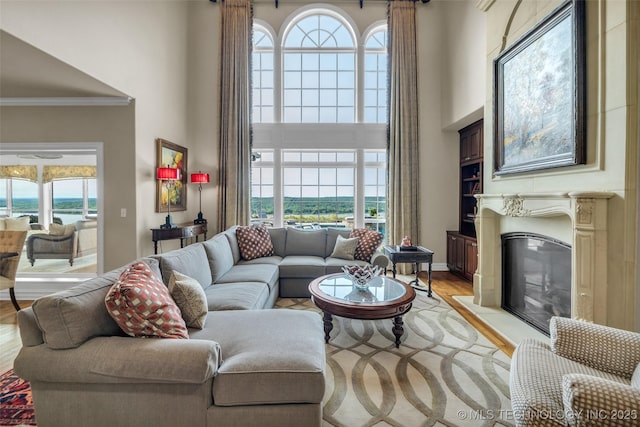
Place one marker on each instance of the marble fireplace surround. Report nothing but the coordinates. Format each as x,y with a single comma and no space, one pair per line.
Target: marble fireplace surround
587,212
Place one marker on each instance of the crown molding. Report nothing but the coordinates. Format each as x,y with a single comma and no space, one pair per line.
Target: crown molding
485,5
98,101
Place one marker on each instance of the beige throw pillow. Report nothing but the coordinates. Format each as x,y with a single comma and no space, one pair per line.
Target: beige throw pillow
17,224
190,299
345,248
61,230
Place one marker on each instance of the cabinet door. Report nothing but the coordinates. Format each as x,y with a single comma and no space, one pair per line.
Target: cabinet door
475,143
451,251
471,258
455,252
471,143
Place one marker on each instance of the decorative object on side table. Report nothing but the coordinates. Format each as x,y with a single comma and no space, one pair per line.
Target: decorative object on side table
200,178
361,275
406,245
168,175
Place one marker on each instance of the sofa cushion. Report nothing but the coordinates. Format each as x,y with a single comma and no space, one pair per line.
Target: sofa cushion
278,239
230,233
190,299
237,296
273,260
332,236
191,260
265,273
69,318
302,266
368,242
254,241
306,242
345,248
220,256
261,348
141,305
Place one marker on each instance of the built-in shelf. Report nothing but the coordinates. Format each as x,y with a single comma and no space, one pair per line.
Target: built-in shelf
462,248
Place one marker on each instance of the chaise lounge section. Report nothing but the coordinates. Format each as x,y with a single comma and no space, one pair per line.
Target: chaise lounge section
248,365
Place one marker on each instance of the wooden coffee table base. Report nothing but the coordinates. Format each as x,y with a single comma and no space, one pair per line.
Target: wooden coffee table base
394,308
397,328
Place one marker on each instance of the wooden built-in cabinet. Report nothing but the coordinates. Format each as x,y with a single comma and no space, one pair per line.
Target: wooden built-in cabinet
462,248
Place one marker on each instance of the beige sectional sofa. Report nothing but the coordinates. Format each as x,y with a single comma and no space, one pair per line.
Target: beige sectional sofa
247,366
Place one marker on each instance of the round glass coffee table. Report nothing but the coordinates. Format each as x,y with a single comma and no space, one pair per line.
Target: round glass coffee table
385,298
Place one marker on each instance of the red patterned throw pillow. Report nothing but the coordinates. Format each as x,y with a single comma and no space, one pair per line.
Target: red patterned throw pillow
368,242
254,241
141,305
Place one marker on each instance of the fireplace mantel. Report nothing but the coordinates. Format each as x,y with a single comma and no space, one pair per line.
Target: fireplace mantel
588,214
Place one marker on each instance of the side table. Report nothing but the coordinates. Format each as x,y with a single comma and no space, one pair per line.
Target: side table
181,232
417,256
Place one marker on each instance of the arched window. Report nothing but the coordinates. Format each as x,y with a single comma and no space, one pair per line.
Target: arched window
263,76
319,114
375,76
319,70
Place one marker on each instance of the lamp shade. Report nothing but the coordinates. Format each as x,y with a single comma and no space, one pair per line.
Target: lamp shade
168,174
200,178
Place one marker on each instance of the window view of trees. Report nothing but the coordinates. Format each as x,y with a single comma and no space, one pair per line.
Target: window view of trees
298,183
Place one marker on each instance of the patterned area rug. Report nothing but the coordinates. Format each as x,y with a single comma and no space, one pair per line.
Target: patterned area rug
16,405
445,372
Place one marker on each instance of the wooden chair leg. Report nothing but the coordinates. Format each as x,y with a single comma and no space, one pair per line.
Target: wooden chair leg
12,295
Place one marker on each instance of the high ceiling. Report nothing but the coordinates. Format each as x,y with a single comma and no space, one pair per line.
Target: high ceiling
28,72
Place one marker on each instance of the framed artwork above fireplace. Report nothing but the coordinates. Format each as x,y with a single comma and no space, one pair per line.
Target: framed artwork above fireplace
539,95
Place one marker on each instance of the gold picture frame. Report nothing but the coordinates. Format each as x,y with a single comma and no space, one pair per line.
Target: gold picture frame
173,156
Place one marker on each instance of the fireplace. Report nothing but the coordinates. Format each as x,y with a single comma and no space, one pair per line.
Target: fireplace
579,218
536,278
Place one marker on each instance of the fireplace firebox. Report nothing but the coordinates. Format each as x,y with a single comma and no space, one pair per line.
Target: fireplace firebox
536,278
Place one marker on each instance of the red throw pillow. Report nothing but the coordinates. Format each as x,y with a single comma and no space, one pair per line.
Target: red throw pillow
368,242
254,241
141,305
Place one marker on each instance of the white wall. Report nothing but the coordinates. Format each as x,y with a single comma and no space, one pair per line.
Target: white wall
137,47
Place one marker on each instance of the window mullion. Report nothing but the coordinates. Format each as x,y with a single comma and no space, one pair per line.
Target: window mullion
359,190
278,199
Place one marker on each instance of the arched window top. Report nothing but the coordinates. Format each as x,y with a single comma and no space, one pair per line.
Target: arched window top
319,30
377,39
262,39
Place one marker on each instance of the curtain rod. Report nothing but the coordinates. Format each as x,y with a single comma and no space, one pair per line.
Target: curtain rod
361,2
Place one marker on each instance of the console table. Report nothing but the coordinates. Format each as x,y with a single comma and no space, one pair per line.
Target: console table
182,231
417,256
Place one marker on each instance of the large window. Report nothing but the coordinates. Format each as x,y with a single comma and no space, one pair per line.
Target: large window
319,122
319,71
73,199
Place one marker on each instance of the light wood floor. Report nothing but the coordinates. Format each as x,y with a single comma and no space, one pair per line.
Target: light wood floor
445,284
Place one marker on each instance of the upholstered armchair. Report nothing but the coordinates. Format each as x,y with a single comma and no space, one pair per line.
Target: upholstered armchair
53,246
588,375
10,242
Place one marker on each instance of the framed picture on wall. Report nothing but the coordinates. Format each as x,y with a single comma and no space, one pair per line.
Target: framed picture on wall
539,95
173,156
